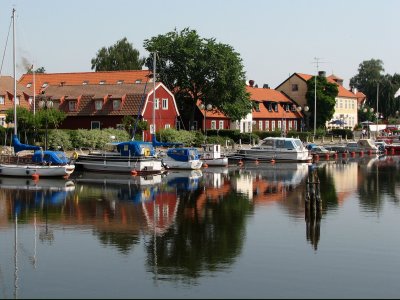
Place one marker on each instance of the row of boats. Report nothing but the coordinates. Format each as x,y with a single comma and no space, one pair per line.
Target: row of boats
142,158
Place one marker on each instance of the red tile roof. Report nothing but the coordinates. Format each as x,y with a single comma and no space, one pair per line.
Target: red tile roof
79,78
342,92
7,90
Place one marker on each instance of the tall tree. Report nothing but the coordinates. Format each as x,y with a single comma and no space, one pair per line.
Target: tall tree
120,56
196,68
382,97
326,93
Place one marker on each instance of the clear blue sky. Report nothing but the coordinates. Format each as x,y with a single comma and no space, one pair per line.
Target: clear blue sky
273,38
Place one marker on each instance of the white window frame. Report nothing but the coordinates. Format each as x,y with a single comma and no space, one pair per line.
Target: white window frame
279,124
2,100
273,125
221,124
98,104
165,103
92,123
213,124
72,105
157,104
267,125
17,99
115,106
260,125
166,126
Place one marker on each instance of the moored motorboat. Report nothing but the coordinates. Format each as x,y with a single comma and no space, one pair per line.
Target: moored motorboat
181,158
276,149
123,157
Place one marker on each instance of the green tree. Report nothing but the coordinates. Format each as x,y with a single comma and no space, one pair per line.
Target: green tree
200,69
25,120
40,70
370,75
131,124
120,56
326,94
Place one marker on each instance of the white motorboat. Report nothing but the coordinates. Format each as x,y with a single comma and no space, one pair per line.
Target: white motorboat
275,148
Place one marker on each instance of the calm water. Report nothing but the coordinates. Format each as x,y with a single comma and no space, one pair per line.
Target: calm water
217,233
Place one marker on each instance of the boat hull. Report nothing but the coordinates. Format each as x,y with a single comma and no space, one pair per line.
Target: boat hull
276,155
195,164
219,162
29,170
120,164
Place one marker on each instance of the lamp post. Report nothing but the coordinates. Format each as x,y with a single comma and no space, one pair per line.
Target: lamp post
305,109
206,108
45,104
371,110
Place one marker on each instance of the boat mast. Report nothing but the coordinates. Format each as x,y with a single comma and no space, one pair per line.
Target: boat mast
154,93
15,80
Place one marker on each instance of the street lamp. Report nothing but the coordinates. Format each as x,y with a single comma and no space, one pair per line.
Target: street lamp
206,108
45,104
306,109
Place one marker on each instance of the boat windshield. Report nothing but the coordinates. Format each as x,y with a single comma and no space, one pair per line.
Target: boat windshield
298,143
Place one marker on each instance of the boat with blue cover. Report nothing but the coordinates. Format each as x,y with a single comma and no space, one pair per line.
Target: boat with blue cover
181,158
129,156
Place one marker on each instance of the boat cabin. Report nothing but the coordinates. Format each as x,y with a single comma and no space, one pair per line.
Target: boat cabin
283,143
135,148
211,151
50,157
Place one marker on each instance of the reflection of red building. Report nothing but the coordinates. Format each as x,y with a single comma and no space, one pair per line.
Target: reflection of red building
161,212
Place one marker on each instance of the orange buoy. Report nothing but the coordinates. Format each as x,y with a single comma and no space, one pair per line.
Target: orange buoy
240,163
335,155
134,172
361,153
35,176
272,161
353,154
327,156
392,151
344,154
205,165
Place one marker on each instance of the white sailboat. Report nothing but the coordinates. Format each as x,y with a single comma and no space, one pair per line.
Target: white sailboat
41,163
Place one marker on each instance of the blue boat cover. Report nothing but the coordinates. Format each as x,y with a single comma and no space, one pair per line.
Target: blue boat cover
163,144
50,157
18,146
136,148
183,154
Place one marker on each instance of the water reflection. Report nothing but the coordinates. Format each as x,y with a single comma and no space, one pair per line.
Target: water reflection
192,223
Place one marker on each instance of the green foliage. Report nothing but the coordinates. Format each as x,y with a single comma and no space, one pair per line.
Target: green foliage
188,138
130,122
196,68
326,93
342,132
97,139
52,116
377,87
59,138
120,56
24,117
40,70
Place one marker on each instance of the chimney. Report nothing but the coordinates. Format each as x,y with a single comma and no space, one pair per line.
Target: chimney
251,82
265,86
322,73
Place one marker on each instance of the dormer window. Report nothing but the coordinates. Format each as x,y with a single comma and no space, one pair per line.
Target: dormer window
102,82
286,107
138,81
270,107
85,82
29,84
98,104
276,107
116,104
72,105
45,84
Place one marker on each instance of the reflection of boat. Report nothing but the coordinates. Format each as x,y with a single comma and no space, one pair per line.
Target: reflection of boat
275,148
285,173
184,180
96,177
54,184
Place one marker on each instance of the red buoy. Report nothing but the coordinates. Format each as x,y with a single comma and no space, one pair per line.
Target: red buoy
133,172
35,176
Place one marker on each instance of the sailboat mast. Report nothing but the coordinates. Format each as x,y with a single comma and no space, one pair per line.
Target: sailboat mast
14,73
154,93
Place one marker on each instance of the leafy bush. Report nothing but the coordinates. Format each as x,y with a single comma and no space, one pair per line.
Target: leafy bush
59,138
